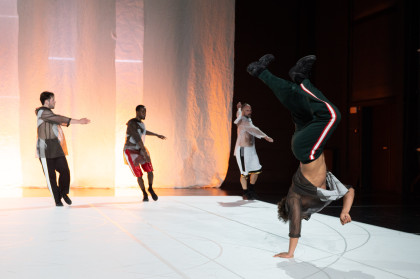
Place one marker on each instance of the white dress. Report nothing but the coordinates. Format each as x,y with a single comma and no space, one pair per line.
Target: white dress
246,155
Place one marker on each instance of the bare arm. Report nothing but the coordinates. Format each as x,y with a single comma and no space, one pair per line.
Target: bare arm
347,203
156,135
80,121
267,138
293,241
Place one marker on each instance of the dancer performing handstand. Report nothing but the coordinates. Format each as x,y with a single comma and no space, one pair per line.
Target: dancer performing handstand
315,118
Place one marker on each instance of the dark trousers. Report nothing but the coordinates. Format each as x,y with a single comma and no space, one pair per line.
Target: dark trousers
315,117
52,165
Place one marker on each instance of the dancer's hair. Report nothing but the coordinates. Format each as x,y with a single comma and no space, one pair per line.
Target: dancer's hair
46,95
139,107
283,213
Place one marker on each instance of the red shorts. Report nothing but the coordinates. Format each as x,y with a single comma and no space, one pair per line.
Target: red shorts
130,156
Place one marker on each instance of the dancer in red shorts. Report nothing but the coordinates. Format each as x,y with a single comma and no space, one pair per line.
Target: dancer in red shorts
136,154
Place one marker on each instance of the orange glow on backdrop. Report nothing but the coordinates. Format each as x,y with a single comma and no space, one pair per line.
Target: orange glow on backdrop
90,53
10,164
188,83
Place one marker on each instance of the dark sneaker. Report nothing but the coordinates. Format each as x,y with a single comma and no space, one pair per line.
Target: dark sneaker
302,69
145,198
265,60
67,199
254,195
154,196
250,196
247,195
59,203
256,68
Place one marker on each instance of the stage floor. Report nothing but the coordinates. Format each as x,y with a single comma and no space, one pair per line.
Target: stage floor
190,237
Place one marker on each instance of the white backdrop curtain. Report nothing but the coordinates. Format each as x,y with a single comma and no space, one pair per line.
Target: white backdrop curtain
10,163
90,53
188,87
67,47
129,77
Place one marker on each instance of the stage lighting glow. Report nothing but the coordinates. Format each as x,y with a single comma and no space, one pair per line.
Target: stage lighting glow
62,58
128,61
65,47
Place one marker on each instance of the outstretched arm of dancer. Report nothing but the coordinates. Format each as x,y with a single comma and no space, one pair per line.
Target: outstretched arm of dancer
267,138
80,121
49,116
154,134
249,127
347,203
255,131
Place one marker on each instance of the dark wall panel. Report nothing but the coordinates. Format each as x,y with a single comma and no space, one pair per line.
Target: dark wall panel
268,27
363,64
377,57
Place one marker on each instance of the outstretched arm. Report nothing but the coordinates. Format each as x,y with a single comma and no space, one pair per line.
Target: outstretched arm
156,135
80,121
347,203
48,116
267,138
256,132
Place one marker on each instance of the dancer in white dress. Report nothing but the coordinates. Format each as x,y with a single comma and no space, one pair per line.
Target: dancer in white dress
246,155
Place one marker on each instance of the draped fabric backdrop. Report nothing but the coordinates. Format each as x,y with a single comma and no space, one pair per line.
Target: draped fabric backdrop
67,47
10,163
188,88
90,53
129,77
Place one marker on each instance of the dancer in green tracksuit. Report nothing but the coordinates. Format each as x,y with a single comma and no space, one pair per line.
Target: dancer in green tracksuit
315,118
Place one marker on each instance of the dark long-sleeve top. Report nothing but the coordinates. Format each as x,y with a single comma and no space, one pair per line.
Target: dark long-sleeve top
304,199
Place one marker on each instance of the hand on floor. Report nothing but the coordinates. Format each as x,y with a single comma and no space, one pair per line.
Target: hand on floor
283,255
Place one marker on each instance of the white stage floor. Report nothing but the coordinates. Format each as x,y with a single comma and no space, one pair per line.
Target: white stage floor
190,237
